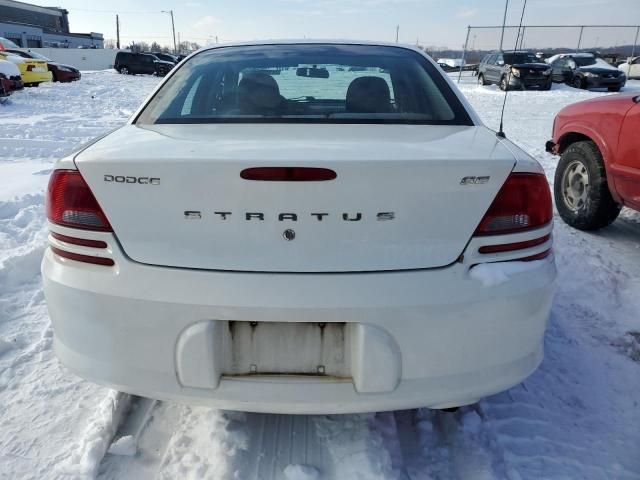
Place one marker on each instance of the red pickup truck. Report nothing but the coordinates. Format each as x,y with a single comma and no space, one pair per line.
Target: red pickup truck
599,168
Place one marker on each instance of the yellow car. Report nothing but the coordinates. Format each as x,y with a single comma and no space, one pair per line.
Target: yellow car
32,71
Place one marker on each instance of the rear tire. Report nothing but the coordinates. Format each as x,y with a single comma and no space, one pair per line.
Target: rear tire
124,70
481,80
580,188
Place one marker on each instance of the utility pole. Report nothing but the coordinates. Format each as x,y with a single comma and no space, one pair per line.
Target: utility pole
173,28
179,43
580,38
117,32
397,32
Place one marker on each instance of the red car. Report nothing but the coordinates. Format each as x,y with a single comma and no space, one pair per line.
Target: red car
599,168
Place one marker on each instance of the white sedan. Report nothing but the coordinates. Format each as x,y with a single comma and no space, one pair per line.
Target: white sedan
303,227
631,68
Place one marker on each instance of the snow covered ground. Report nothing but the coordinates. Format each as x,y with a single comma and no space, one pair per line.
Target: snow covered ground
576,417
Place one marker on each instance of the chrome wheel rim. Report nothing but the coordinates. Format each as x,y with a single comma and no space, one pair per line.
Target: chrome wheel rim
575,185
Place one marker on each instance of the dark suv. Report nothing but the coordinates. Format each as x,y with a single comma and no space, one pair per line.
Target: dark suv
165,57
514,69
585,70
131,63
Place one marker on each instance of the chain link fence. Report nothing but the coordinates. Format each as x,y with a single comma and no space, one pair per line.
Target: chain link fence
616,41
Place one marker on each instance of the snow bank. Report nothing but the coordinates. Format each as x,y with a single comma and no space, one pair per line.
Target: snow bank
9,68
124,446
88,450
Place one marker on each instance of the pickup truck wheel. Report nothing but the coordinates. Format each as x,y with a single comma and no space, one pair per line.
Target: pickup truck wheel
481,80
124,70
580,188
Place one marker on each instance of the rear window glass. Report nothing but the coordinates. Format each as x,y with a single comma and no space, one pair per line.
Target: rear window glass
306,83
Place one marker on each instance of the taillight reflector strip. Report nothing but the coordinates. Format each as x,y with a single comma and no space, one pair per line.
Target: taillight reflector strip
509,247
537,256
84,242
523,203
71,203
288,174
83,258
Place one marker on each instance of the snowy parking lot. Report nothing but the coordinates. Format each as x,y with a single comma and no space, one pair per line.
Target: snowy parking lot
578,416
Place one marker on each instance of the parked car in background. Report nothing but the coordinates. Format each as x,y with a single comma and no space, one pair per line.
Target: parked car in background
33,72
166,57
302,228
585,70
447,68
59,71
10,79
141,63
599,168
631,68
514,69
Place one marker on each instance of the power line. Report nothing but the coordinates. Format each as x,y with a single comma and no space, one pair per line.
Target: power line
139,12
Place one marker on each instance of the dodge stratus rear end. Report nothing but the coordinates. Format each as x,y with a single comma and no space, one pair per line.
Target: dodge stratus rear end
301,228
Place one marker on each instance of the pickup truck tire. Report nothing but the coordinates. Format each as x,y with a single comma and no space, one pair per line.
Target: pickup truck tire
580,188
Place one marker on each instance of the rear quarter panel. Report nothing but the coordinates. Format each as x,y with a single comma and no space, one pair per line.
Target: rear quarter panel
599,120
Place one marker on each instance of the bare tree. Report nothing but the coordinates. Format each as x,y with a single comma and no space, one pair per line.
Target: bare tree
110,43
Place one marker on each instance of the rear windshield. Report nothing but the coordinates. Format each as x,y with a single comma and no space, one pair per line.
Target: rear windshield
514,58
307,84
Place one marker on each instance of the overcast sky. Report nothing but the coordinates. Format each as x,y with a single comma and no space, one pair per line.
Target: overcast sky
430,22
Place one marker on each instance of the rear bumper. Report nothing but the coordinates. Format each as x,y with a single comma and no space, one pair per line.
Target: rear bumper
434,338
29,78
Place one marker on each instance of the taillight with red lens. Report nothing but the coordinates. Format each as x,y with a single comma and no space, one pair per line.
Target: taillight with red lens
523,203
71,203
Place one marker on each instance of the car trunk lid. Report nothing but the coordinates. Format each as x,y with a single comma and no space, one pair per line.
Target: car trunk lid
404,196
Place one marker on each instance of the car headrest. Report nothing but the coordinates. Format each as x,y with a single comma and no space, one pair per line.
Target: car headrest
258,94
368,95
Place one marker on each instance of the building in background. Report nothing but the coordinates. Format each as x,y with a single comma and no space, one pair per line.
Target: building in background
33,26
